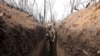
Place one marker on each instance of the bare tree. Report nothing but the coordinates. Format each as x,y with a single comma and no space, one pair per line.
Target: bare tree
74,5
51,7
42,18
32,8
44,10
88,4
92,2
95,1
72,2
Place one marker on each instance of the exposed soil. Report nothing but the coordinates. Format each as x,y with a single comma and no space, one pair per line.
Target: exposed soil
20,34
79,34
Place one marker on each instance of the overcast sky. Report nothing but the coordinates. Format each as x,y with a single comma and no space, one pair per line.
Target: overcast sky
60,8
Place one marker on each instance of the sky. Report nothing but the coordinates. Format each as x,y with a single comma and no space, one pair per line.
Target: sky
60,8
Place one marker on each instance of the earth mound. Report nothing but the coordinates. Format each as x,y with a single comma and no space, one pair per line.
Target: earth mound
20,34
79,34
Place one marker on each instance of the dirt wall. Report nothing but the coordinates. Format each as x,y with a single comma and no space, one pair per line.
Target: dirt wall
20,34
79,34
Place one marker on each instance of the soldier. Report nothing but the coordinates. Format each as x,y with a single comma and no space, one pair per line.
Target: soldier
51,34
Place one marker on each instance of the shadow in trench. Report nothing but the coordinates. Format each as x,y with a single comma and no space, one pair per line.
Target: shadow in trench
51,47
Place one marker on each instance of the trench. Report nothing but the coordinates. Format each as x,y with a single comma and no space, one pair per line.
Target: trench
21,41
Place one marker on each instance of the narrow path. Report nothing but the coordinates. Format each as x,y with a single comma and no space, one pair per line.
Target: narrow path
40,49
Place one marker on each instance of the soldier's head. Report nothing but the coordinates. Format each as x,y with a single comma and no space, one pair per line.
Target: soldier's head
49,26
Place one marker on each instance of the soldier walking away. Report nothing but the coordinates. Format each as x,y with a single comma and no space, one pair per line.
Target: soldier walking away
51,34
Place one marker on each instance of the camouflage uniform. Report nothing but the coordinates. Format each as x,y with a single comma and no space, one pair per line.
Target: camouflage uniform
51,34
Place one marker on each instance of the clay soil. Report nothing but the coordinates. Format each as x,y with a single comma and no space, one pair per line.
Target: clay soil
79,34
20,34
